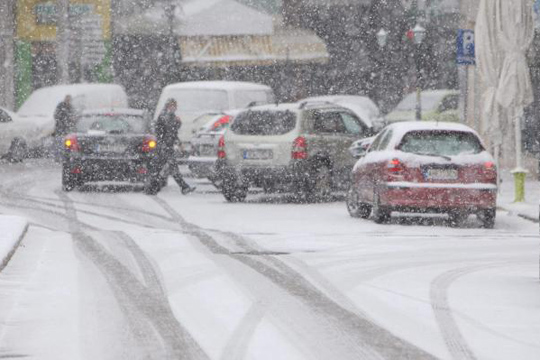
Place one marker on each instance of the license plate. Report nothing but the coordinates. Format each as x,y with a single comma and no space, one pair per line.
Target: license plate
208,150
258,154
110,148
441,174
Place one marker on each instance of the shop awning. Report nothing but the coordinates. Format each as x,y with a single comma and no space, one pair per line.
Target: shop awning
285,46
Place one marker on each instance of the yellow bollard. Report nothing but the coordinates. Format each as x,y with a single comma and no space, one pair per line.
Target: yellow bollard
519,182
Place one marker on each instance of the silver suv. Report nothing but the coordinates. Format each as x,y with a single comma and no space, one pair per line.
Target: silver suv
299,148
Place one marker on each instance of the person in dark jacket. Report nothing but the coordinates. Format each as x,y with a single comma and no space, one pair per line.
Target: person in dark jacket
166,131
64,117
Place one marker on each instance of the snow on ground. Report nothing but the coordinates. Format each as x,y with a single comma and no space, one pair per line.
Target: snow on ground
529,208
114,275
12,229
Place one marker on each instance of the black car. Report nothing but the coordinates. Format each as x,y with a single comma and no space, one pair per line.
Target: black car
114,145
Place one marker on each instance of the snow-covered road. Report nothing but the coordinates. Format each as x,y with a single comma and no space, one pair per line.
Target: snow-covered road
117,274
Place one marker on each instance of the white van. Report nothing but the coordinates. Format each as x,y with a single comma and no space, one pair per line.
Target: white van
35,117
199,97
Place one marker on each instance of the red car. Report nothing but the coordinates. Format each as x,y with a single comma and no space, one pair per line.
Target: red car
425,167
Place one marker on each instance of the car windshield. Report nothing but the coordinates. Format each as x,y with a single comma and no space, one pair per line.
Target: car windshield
264,123
112,124
430,101
440,143
198,100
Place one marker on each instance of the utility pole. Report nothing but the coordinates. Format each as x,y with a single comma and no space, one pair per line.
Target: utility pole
7,58
62,41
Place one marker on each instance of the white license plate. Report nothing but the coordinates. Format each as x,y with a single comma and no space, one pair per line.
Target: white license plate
110,148
441,174
258,154
208,150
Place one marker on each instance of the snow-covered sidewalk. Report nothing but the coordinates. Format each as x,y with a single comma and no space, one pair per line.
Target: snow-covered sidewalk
527,209
12,229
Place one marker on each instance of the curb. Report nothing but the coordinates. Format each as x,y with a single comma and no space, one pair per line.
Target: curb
523,216
8,257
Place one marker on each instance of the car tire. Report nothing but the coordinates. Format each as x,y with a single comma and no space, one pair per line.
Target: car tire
457,218
381,214
153,186
487,217
234,193
18,150
355,208
318,187
69,181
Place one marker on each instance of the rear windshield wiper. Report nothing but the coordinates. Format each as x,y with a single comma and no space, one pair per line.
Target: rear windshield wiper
435,155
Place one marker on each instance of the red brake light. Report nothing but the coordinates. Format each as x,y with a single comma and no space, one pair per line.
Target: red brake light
221,148
149,144
299,149
490,165
71,143
395,166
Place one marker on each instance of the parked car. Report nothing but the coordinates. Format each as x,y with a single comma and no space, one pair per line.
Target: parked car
37,112
299,148
437,105
109,145
12,146
197,98
204,145
425,167
362,106
360,147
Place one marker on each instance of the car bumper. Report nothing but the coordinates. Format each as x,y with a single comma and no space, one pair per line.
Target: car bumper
109,170
202,166
437,197
260,175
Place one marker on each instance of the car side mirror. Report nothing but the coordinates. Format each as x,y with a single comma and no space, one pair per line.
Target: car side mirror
358,152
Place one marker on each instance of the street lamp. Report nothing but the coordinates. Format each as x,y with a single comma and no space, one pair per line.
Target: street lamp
419,34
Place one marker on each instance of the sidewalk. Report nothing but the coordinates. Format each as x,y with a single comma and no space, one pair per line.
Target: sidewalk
528,209
12,230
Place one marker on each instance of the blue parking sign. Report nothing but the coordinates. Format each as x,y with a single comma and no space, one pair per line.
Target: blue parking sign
465,47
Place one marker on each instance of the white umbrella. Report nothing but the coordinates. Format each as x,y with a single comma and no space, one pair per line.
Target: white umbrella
489,60
515,30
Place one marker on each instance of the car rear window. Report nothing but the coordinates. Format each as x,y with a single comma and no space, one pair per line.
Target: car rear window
113,124
443,143
264,123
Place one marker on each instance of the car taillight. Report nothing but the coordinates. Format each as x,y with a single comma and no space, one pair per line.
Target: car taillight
221,148
71,143
299,149
149,144
395,167
490,169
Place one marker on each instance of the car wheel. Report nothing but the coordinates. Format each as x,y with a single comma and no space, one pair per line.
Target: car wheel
457,218
355,208
381,214
234,193
153,186
487,217
319,185
18,150
69,182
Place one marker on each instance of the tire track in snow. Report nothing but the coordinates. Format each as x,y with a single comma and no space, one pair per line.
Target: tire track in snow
457,345
362,337
147,309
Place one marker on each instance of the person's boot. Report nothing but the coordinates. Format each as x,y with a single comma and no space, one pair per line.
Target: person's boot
188,189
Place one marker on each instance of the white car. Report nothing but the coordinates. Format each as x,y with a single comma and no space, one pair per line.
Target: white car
199,97
12,147
362,106
36,115
297,148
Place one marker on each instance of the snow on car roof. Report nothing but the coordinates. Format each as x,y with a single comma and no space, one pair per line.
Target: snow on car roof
276,107
219,85
401,128
113,111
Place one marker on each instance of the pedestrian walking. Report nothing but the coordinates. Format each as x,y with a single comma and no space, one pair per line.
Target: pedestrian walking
166,131
64,117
